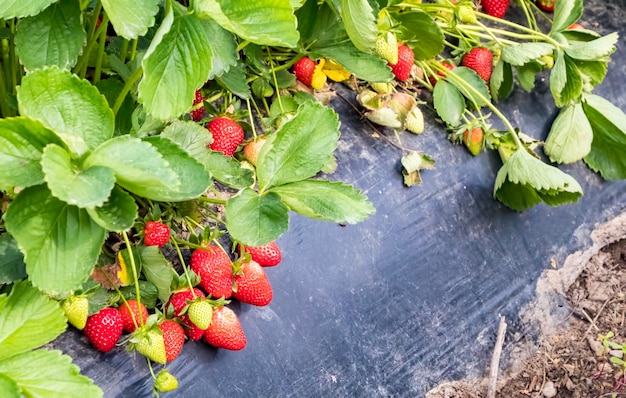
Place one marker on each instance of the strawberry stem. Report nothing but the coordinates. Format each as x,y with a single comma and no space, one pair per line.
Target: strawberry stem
135,276
102,42
532,33
187,243
251,118
212,200
130,83
182,263
280,103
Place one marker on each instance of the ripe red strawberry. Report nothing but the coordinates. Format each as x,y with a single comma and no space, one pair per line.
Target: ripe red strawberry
473,140
267,256
227,135
225,330
129,310
156,234
479,59
406,58
448,66
495,8
252,285
178,302
303,69
197,114
215,270
546,5
575,26
104,328
173,338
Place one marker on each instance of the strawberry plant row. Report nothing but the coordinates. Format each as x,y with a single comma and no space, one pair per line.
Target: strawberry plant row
152,151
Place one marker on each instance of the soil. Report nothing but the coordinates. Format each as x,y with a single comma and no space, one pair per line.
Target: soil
568,358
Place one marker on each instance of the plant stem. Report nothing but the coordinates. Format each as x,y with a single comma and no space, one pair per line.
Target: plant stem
102,43
211,200
280,103
533,33
135,276
187,243
126,89
182,263
124,51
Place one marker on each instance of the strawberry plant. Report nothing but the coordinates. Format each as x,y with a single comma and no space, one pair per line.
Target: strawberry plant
135,129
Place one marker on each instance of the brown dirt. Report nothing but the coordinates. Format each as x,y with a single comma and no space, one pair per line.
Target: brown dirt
569,359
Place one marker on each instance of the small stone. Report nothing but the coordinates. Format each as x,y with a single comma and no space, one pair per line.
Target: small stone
549,390
617,353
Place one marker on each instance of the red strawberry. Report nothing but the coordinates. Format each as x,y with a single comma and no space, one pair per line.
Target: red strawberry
448,66
225,330
227,135
267,255
129,310
575,26
253,287
252,149
406,58
156,234
178,302
495,8
303,69
104,328
473,140
479,59
173,337
546,5
197,114
214,268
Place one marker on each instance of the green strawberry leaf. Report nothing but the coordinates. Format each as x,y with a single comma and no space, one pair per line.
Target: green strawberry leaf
480,95
320,26
449,102
118,213
255,219
20,8
111,88
53,37
48,374
524,181
608,148
235,81
570,137
28,320
190,136
227,170
501,82
595,71
325,200
368,67
224,53
12,267
574,35
359,22
83,188
22,141
266,22
168,85
60,242
594,50
8,387
148,290
157,270
526,75
131,19
138,166
192,175
53,96
420,32
566,84
300,148
566,12
523,53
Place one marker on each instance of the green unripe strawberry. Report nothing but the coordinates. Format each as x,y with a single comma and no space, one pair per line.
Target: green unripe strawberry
382,88
165,382
465,13
76,310
386,47
414,121
200,313
149,343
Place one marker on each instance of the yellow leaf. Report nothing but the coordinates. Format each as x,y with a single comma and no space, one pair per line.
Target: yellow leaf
319,78
123,274
334,70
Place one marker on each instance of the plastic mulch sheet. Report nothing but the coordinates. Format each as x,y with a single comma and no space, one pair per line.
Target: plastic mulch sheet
408,298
